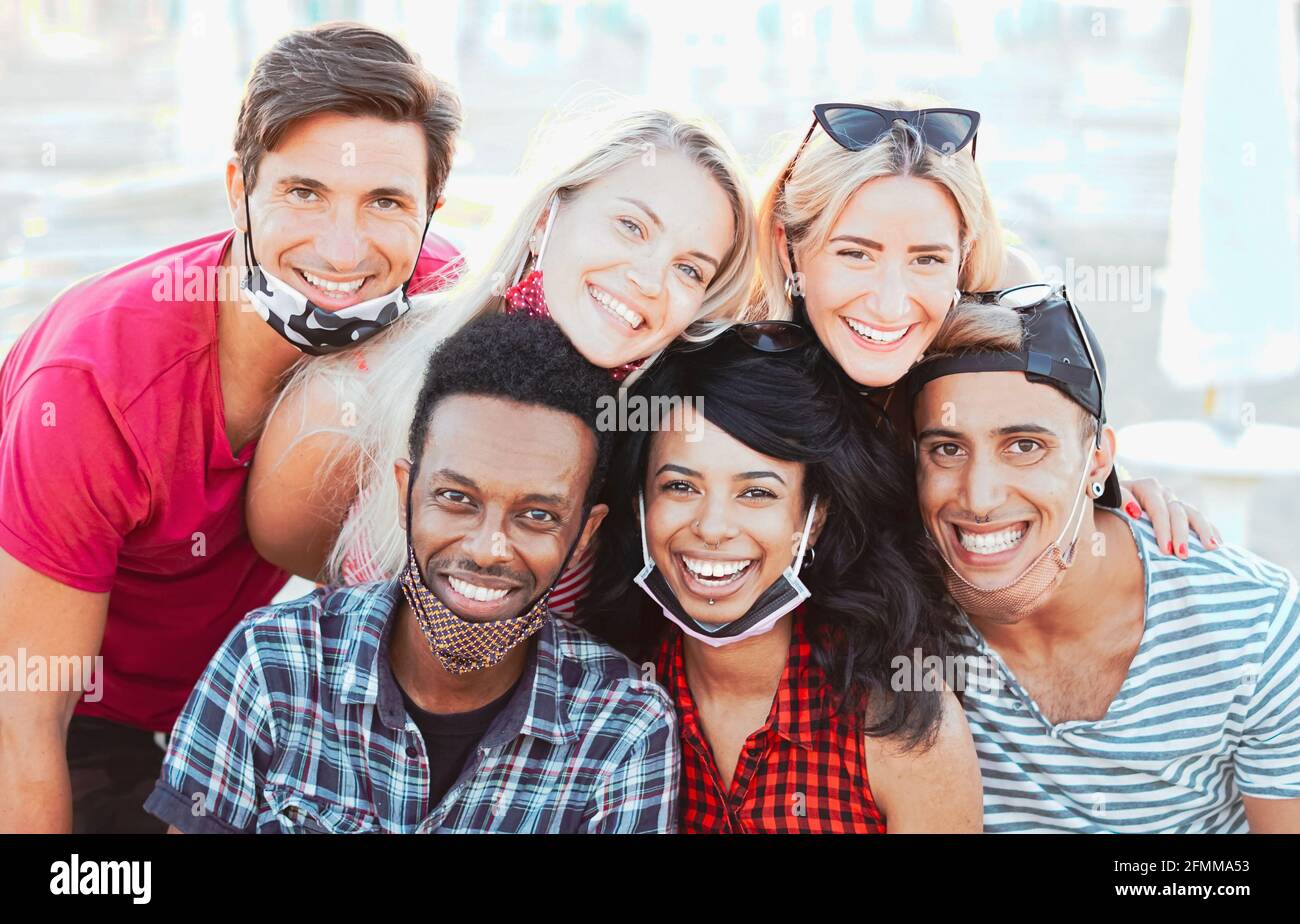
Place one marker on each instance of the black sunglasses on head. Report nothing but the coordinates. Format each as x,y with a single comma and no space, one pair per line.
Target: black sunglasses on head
763,336
1022,296
855,127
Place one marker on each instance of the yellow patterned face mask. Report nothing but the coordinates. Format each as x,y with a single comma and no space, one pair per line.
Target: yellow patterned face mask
459,645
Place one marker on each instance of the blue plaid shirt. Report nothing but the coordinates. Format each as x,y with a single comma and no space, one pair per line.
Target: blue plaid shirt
297,725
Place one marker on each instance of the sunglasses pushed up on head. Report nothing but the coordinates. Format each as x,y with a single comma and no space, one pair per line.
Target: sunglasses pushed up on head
855,127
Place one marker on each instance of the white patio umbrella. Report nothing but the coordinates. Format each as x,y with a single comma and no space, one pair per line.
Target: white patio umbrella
1232,307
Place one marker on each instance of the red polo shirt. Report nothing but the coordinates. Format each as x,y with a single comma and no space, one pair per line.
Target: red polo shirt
116,474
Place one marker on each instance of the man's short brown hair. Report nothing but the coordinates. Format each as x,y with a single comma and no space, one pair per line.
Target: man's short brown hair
350,69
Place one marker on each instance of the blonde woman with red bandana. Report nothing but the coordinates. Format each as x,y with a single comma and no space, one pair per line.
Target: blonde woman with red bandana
643,237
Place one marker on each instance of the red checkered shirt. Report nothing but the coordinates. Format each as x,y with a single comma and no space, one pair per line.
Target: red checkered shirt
804,771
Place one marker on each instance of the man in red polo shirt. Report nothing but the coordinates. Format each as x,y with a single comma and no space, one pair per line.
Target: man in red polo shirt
130,411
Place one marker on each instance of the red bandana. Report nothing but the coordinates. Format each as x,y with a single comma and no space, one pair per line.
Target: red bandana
527,296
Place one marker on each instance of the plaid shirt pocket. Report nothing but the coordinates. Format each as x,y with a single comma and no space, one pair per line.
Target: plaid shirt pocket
289,812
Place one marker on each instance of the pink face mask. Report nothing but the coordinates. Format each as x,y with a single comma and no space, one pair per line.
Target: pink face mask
782,597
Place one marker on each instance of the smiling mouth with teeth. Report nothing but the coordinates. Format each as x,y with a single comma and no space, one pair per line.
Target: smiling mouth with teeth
875,334
475,592
716,573
334,288
991,543
615,308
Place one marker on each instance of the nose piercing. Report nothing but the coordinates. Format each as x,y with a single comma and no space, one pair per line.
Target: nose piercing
712,545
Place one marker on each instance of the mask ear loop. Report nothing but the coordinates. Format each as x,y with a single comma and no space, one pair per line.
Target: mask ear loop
249,257
410,488
807,529
419,251
1079,508
541,249
645,549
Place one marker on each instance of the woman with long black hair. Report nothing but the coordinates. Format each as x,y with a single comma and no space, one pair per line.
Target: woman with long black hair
782,569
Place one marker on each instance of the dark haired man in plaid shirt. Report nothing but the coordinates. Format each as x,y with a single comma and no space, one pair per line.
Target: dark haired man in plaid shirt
447,700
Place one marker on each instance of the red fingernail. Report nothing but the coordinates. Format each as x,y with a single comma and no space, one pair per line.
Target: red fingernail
1133,510
1182,550
1169,547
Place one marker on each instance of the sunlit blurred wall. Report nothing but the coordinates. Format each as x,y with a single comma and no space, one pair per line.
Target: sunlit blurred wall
116,117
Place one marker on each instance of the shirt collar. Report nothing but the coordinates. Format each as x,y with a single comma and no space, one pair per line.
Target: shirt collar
534,709
800,709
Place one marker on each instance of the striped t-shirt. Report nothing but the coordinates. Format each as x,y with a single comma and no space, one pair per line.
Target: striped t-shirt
1209,711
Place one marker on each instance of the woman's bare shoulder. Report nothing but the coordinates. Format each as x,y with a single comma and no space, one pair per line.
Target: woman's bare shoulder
303,478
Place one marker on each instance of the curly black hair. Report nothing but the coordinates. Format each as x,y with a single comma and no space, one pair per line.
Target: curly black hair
524,359
877,588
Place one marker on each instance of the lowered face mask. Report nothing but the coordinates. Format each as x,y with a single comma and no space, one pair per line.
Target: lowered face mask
1021,596
312,329
461,645
786,593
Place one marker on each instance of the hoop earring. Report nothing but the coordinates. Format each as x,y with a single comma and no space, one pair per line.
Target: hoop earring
808,560
956,297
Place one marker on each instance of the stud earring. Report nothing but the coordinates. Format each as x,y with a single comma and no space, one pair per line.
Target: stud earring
1098,489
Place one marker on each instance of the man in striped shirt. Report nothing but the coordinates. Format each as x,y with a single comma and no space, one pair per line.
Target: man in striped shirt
447,700
1116,687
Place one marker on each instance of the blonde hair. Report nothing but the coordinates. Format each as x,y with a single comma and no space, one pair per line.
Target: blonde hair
825,178
971,327
385,394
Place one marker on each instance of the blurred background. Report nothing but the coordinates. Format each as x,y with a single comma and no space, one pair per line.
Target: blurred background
1143,152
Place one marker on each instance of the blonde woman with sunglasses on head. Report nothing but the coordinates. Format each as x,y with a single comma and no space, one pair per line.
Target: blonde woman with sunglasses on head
873,227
